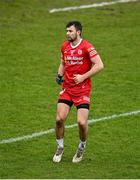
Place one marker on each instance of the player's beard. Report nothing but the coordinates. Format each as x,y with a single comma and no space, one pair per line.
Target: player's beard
72,39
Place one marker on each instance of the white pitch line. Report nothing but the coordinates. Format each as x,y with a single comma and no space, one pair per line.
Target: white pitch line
90,6
41,133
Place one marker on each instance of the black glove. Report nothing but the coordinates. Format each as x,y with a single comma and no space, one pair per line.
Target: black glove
59,79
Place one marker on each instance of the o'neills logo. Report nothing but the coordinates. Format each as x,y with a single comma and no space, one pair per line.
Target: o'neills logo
74,58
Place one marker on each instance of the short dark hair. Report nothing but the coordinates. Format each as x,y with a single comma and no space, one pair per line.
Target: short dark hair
76,24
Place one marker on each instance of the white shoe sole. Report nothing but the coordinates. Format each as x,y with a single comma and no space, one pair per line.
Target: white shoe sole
58,158
77,160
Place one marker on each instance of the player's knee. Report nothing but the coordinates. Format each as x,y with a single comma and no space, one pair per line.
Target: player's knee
59,121
60,118
82,122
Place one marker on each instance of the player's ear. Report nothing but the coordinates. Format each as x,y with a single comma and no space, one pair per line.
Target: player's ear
79,32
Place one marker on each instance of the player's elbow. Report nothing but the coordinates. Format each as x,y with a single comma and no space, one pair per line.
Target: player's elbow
101,66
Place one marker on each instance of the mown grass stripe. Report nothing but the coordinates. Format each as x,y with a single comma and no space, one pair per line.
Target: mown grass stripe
41,133
89,6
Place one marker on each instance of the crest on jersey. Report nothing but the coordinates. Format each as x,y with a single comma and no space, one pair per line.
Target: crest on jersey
80,51
72,52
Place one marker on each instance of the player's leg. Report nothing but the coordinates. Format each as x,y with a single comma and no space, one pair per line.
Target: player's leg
82,119
62,113
63,108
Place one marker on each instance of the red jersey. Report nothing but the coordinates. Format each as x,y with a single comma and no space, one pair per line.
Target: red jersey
77,60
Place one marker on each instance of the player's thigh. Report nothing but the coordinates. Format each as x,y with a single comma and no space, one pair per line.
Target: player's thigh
82,116
62,111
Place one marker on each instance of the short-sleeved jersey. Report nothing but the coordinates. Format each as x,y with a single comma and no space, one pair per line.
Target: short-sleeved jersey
77,60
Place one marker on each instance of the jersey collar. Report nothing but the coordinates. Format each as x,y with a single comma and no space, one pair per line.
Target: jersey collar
76,44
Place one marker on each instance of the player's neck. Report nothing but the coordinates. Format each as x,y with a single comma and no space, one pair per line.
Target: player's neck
76,42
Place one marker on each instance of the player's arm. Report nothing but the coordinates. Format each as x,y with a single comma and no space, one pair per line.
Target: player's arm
97,67
61,69
59,77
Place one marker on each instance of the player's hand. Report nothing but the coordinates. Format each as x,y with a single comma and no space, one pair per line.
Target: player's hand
59,79
78,78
